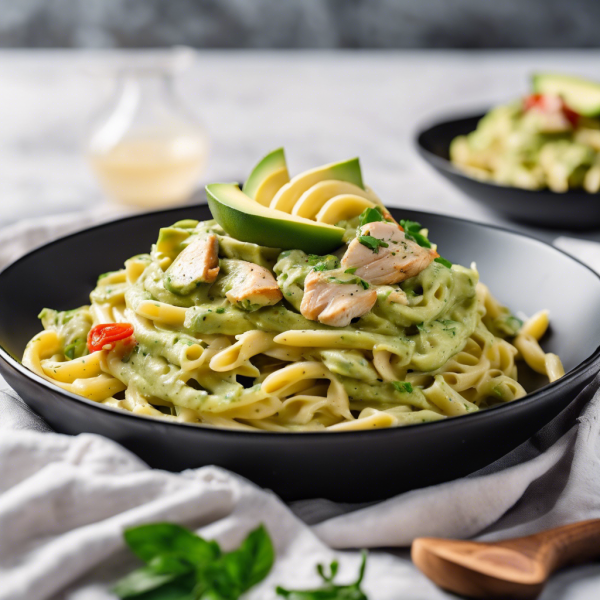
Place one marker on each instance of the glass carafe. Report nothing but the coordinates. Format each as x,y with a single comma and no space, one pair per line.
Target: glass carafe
145,148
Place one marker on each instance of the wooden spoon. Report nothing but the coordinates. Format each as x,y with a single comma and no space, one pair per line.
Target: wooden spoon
516,568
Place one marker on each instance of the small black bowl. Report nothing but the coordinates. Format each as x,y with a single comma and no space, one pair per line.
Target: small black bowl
574,209
353,466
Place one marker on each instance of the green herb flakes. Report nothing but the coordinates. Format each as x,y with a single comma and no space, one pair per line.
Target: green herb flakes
372,243
402,386
443,261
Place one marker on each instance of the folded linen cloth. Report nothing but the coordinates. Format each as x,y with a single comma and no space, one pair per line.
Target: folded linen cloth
64,502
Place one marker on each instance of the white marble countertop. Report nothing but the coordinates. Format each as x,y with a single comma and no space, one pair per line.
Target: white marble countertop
322,106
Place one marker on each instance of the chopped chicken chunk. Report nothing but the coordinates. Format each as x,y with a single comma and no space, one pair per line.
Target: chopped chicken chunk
252,286
394,258
398,297
195,264
334,303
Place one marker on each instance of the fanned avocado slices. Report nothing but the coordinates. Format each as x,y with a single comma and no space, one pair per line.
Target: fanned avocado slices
291,192
267,177
248,221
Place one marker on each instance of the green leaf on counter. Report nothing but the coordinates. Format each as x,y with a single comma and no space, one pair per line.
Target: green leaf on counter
330,590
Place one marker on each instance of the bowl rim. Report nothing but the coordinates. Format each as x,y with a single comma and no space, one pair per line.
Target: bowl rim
559,386
444,164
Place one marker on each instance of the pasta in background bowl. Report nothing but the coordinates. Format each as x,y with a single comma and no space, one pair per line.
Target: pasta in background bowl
352,466
214,330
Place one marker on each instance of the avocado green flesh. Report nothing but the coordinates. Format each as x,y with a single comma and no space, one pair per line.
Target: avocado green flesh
272,162
249,221
288,195
579,94
347,171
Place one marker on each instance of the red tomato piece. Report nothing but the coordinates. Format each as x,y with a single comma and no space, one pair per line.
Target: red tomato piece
550,104
533,101
103,335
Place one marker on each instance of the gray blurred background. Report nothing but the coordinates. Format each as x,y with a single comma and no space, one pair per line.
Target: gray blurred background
300,23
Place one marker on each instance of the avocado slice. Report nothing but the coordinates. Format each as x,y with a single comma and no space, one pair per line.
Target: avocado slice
290,193
170,240
342,208
311,202
249,221
267,177
581,95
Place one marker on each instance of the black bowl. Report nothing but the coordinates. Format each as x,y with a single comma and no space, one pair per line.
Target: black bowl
354,466
574,209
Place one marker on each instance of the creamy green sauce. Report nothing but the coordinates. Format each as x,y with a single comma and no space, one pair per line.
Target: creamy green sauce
440,315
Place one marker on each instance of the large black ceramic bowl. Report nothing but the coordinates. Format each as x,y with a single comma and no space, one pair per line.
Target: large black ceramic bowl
352,466
574,209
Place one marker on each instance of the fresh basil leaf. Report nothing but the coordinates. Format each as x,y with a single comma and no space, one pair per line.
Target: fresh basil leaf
443,261
220,580
403,386
182,588
330,591
245,567
333,569
168,539
183,566
169,563
372,243
141,581
259,551
370,215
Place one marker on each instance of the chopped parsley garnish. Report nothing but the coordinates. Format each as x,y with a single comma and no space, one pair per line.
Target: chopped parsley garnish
70,349
370,215
402,386
412,232
322,263
322,267
443,261
351,270
372,243
220,310
353,281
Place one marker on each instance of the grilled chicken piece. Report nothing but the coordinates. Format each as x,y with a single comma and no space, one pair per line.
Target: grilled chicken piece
252,286
398,260
398,297
332,303
197,263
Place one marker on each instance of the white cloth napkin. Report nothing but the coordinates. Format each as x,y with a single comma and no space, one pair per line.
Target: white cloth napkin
64,502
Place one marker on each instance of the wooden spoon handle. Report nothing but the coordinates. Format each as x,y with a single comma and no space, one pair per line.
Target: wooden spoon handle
574,543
